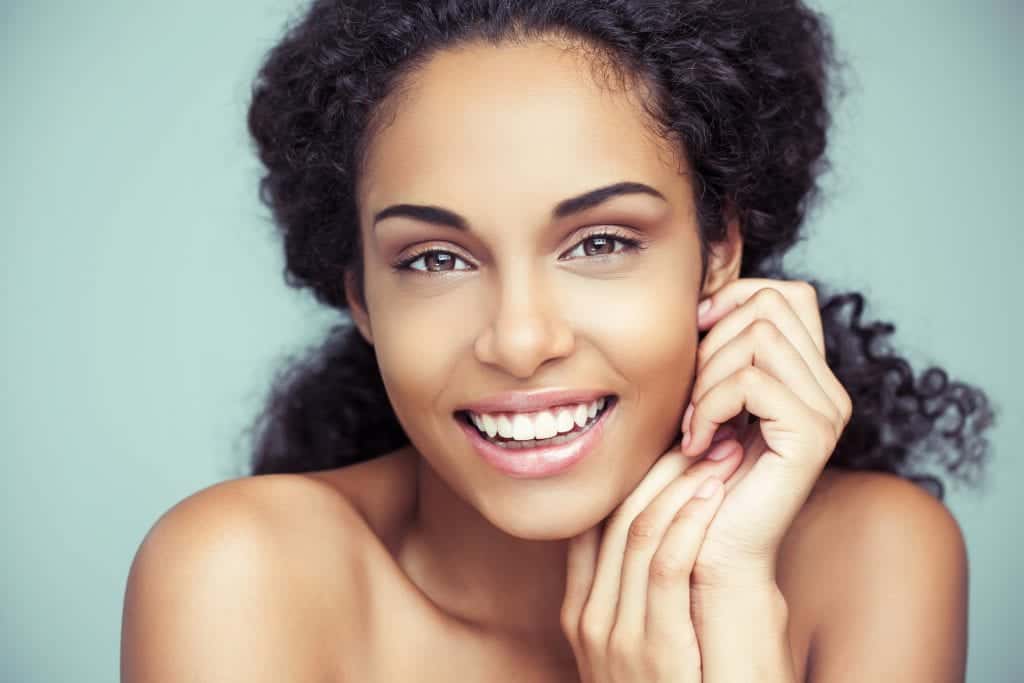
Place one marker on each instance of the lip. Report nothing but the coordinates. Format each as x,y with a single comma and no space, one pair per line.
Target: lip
534,463
533,401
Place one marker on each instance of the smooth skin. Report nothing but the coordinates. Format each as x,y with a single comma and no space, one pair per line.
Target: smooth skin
745,364
427,564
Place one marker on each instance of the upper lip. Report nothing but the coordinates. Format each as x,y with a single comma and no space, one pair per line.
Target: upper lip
532,401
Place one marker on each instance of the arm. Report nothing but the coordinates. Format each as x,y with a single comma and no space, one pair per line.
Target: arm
891,565
898,606
744,634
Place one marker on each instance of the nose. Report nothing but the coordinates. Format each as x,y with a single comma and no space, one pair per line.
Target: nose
525,330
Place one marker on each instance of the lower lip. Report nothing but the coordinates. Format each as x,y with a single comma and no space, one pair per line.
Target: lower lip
531,463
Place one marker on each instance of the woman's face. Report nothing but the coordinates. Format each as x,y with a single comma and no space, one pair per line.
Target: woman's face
519,299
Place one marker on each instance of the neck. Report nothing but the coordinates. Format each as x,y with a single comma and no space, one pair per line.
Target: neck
480,574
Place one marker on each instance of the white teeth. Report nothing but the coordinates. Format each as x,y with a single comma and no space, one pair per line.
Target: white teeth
504,427
490,425
580,415
544,424
522,428
565,421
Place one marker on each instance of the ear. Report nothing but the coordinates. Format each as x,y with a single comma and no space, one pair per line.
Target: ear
726,256
357,306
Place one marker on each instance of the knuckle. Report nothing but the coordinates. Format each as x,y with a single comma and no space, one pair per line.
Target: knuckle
837,424
622,644
805,290
669,566
641,531
827,431
846,408
749,377
569,622
764,332
592,634
768,298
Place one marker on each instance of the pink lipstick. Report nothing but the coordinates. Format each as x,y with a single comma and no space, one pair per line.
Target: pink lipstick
540,461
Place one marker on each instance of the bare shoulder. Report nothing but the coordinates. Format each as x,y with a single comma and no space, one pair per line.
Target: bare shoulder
233,582
884,564
858,514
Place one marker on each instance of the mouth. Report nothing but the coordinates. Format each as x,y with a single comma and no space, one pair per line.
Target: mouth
606,403
532,457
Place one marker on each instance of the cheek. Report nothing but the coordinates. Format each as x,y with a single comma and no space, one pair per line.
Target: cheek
417,350
648,334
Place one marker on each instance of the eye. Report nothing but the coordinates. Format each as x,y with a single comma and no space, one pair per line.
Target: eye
603,243
434,261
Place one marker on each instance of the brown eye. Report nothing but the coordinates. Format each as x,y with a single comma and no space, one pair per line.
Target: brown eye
601,245
434,261
604,244
442,259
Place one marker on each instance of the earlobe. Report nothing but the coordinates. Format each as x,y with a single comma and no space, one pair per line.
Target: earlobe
357,307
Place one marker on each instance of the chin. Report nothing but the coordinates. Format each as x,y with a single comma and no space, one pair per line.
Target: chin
558,521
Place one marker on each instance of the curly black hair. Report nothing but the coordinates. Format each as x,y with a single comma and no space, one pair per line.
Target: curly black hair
742,88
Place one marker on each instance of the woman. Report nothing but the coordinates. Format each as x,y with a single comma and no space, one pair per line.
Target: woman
557,228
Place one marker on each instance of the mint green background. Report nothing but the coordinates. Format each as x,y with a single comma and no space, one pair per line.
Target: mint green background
143,310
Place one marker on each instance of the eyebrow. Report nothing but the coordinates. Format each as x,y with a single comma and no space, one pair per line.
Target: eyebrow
566,207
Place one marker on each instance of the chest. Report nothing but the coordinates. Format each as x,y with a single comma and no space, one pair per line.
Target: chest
406,643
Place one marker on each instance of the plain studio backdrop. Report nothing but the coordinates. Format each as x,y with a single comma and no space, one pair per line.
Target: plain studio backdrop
144,313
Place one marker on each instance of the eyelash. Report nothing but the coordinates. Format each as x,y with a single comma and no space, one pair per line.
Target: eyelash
630,245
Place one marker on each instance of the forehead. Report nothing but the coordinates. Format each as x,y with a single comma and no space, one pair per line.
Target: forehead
488,128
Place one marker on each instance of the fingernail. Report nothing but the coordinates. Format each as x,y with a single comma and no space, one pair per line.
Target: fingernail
703,308
686,417
708,488
686,440
721,451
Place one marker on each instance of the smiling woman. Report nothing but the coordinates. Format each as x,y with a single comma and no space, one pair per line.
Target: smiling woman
580,426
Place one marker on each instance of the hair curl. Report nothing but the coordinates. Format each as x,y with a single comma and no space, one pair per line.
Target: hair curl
743,86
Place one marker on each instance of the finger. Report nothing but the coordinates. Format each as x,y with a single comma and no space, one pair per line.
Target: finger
790,427
581,562
762,345
646,531
598,608
581,565
801,295
774,305
668,594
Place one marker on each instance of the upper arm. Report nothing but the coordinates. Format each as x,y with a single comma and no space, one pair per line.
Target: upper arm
213,595
898,595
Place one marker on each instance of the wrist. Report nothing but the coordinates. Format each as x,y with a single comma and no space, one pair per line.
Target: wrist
752,580
744,633
760,601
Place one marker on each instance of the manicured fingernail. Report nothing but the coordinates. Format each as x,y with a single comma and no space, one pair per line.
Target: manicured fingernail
703,308
686,417
708,488
722,451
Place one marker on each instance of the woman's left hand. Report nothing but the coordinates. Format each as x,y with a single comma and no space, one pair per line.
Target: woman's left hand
764,354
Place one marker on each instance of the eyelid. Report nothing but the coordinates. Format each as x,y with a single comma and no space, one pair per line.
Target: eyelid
629,239
402,264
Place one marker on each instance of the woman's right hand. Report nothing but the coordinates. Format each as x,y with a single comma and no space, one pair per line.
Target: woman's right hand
626,610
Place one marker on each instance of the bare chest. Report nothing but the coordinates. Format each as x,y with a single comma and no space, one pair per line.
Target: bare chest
398,634
399,638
